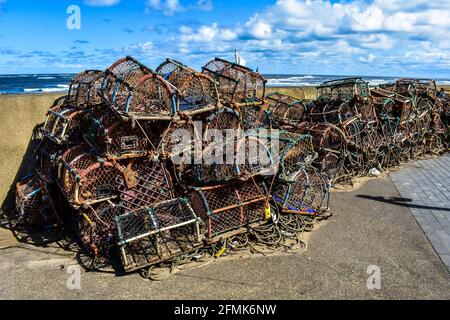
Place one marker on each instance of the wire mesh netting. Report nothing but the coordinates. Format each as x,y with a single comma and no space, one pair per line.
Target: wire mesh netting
157,233
237,84
144,182
285,110
196,91
305,193
65,126
86,178
343,89
83,89
133,89
32,202
47,155
97,226
225,208
116,139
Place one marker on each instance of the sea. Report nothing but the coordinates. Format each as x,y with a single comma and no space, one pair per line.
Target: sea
44,83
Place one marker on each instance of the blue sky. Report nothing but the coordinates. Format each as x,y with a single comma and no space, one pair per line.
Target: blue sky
359,37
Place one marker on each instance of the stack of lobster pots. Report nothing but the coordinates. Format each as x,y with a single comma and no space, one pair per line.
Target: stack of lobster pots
129,160
155,164
357,128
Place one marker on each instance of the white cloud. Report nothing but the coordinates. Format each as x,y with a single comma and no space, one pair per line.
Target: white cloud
369,59
168,7
259,29
207,34
101,3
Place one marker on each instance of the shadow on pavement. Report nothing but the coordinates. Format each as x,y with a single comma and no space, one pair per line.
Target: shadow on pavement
403,202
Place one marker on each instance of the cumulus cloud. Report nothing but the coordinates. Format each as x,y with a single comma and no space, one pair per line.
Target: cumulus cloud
382,36
168,7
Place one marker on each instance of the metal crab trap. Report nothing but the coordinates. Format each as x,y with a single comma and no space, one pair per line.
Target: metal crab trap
238,86
157,233
117,139
64,126
343,89
393,105
86,179
289,151
47,154
285,110
96,227
33,203
197,92
83,89
240,158
227,210
142,183
133,90
306,193
330,143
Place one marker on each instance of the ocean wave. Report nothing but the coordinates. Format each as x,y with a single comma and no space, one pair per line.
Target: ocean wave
45,78
59,88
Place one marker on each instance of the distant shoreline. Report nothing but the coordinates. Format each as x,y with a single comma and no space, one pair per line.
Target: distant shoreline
299,92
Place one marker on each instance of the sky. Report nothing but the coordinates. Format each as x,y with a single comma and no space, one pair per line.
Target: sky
343,37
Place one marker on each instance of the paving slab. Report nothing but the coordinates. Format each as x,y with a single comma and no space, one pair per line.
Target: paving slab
425,185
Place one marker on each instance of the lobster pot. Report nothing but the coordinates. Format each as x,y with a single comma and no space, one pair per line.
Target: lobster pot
424,123
393,104
326,137
238,85
343,89
226,208
289,151
354,131
243,158
223,130
97,226
222,126
143,183
366,109
197,91
285,110
437,125
47,155
414,87
252,117
158,233
86,179
83,89
32,202
131,89
65,126
116,139
304,194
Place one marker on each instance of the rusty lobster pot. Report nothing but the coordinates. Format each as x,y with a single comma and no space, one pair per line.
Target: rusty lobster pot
238,86
83,89
86,179
197,92
143,183
64,126
116,139
157,233
226,208
33,204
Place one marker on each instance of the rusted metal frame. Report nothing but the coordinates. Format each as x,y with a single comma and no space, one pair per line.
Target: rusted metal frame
75,202
157,230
